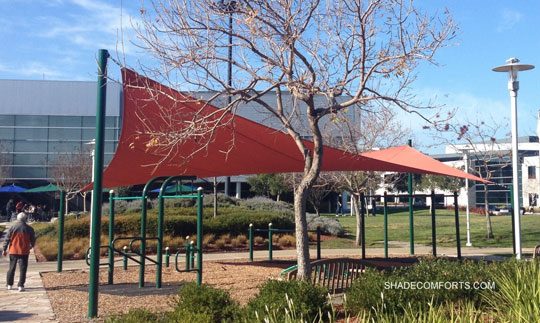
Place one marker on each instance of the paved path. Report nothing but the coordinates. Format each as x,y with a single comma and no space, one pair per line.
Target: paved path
33,305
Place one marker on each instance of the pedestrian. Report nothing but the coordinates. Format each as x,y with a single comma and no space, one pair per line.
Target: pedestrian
339,206
10,209
19,240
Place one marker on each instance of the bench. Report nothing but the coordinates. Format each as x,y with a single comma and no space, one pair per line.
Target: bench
335,274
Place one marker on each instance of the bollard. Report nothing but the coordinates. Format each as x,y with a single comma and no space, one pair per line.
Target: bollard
188,253
191,254
167,256
250,235
125,257
318,243
270,241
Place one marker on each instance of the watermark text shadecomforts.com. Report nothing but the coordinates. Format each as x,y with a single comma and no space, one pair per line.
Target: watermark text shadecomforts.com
440,285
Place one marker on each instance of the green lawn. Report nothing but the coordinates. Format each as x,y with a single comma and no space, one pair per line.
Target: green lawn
398,230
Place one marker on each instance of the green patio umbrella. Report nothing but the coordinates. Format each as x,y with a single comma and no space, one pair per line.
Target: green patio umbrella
43,189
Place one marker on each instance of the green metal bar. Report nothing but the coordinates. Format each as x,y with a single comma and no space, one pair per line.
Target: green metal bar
93,284
167,257
433,225
188,254
456,216
191,255
125,262
128,198
61,211
199,235
411,210
111,238
385,214
179,196
318,243
363,224
270,244
250,235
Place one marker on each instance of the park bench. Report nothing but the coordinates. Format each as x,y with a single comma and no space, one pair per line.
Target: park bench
335,274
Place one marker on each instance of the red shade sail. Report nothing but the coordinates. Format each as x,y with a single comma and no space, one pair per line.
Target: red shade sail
240,147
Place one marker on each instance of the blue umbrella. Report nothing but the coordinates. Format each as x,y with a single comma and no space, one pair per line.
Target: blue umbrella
12,189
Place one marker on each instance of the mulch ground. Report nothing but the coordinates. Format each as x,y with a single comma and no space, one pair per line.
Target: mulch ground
68,291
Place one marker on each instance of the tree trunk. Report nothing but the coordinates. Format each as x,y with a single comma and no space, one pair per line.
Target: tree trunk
489,228
356,208
302,239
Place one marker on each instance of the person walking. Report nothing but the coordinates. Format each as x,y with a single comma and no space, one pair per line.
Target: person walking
10,209
19,240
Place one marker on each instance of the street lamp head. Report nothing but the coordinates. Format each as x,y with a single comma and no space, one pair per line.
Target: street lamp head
513,67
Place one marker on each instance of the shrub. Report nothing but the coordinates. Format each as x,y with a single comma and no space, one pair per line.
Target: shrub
258,240
235,243
260,203
210,302
308,299
222,200
370,291
327,225
286,241
208,239
226,238
241,239
135,316
219,243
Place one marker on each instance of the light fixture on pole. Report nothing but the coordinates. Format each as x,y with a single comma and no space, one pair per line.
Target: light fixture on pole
513,67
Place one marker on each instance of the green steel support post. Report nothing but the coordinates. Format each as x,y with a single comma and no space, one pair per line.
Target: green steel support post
188,254
270,244
363,224
199,235
111,238
250,235
513,219
318,243
167,257
385,214
456,215
192,255
125,257
93,284
61,232
161,216
433,225
411,211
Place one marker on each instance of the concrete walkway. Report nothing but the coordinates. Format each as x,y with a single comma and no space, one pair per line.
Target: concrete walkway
33,304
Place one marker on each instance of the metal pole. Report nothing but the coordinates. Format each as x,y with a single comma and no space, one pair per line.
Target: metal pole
161,216
385,214
433,225
250,234
167,256
513,220
125,257
199,235
411,211
456,216
363,225
230,7
513,87
466,160
318,243
98,185
60,256
270,242
111,238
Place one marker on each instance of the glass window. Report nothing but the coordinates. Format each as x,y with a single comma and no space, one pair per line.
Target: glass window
88,134
65,146
30,146
6,133
64,133
6,120
30,133
28,172
89,121
110,122
531,172
30,159
110,134
64,121
36,121
6,145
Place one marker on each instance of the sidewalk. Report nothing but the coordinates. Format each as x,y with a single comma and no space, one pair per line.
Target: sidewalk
33,305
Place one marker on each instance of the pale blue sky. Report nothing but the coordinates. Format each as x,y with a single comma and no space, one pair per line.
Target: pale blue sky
58,40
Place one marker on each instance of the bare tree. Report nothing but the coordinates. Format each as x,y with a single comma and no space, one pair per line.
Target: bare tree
478,139
328,55
71,172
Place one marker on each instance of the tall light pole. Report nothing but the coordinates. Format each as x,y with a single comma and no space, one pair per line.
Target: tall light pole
513,67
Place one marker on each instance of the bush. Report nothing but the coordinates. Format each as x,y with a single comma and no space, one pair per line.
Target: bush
286,241
222,200
135,316
308,300
328,225
260,203
205,302
370,291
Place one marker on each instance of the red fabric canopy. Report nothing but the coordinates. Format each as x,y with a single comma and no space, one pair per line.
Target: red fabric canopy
240,147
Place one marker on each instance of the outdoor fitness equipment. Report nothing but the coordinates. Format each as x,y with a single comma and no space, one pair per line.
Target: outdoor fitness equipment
131,253
271,231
